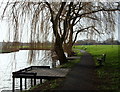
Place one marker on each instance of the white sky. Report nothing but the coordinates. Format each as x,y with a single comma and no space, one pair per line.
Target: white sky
4,31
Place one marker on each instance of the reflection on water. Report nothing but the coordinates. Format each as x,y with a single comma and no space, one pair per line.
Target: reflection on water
11,62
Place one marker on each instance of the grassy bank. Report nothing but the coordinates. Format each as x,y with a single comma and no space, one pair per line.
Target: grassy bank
109,74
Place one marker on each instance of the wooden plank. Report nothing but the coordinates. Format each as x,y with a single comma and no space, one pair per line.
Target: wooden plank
50,72
40,67
43,73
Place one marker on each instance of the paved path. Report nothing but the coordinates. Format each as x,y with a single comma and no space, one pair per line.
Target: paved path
82,76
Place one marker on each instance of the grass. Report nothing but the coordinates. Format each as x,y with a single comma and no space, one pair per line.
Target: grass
70,64
109,74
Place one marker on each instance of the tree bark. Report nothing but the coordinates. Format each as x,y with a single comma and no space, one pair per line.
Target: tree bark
60,52
68,49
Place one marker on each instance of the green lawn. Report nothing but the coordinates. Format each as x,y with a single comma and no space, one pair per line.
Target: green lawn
110,72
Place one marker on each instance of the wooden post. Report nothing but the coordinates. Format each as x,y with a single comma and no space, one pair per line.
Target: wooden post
20,84
31,82
13,89
40,81
25,83
35,79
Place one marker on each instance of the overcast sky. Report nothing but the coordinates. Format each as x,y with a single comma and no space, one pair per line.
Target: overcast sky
4,31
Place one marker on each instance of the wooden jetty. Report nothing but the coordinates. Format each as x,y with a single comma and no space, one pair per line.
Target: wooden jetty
38,72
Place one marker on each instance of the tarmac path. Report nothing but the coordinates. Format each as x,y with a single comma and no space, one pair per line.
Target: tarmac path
82,76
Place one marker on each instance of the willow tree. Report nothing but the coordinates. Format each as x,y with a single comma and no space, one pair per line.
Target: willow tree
63,17
36,18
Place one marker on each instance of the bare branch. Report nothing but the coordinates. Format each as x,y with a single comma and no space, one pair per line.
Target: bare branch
51,11
5,9
78,31
95,11
60,11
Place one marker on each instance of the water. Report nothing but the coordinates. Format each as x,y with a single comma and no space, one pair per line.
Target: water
11,62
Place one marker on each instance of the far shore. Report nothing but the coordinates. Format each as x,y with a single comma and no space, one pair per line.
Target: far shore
17,48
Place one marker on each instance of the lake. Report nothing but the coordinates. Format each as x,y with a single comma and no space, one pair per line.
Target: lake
10,62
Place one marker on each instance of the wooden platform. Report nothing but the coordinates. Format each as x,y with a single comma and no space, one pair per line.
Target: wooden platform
38,72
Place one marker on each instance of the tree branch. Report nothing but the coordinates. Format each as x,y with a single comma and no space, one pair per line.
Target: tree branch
66,22
81,31
51,11
5,9
60,11
95,11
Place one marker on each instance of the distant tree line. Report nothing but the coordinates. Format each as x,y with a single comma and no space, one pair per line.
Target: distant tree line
94,42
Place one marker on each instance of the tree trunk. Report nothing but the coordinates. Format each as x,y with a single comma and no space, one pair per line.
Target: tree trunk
59,40
68,46
60,52
68,49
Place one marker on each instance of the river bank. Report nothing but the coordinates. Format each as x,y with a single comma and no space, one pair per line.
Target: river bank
8,47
